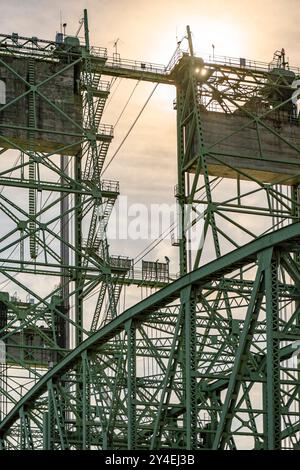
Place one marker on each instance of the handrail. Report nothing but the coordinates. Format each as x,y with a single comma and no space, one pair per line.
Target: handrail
20,45
248,63
106,129
136,65
110,185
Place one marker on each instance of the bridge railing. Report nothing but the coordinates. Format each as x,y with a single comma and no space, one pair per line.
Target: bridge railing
139,66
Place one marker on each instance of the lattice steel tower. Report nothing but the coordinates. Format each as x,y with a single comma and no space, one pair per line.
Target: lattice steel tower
211,359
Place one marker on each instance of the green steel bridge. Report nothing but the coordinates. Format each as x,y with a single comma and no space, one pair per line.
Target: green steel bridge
210,359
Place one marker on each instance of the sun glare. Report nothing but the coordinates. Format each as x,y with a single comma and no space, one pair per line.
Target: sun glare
216,37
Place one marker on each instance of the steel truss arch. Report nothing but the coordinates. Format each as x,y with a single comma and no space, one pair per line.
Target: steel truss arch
202,390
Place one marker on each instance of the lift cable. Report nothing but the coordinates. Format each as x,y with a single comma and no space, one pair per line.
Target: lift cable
122,112
126,104
130,129
51,193
152,248
116,88
169,229
162,236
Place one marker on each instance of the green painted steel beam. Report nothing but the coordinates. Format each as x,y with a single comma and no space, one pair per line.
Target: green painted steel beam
134,73
223,430
57,187
220,385
287,238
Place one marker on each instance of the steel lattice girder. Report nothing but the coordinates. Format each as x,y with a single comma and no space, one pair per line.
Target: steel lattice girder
204,350
70,184
124,386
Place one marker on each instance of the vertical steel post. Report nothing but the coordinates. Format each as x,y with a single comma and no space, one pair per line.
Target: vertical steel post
273,363
46,431
131,385
86,30
64,248
78,257
181,181
190,364
85,403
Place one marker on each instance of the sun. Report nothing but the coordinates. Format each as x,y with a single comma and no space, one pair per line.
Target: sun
217,37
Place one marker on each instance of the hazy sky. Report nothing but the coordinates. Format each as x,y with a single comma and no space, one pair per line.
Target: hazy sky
252,28
146,165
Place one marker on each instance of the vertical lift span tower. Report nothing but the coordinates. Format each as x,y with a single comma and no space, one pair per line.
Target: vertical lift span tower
209,361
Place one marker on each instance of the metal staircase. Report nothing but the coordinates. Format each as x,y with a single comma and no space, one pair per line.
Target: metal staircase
98,309
103,218
99,220
91,170
99,110
98,91
109,314
116,292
